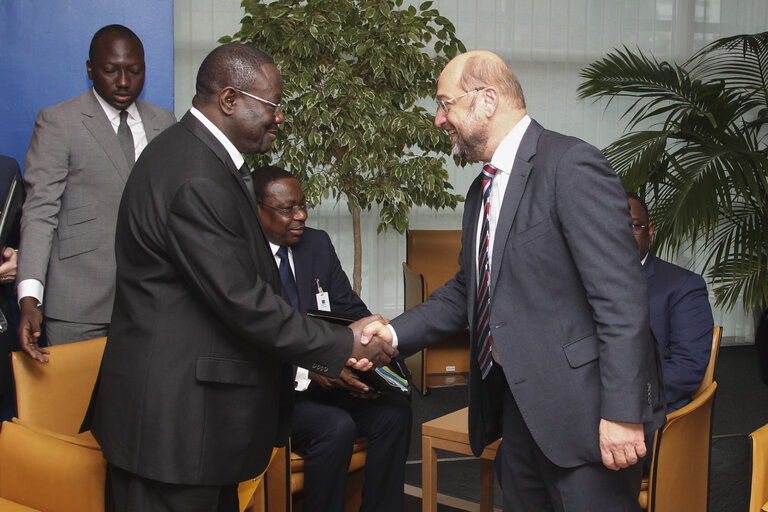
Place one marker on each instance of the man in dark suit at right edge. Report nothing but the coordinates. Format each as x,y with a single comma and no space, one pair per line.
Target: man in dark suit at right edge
568,376
196,382
681,317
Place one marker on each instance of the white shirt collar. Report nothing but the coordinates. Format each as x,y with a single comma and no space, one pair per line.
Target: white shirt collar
504,156
112,113
234,154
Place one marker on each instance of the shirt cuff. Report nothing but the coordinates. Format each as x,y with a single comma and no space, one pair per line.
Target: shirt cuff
302,379
30,288
394,335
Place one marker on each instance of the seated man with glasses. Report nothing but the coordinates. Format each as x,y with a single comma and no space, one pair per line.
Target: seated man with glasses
681,317
330,413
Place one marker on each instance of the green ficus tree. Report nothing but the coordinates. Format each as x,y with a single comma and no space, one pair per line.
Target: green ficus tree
354,72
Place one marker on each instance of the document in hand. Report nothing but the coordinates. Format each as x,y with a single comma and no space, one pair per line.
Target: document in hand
9,217
392,378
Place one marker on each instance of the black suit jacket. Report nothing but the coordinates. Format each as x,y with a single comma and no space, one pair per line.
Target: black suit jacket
569,309
315,259
194,386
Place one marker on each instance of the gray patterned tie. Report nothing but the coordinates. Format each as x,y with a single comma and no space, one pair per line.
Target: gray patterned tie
125,137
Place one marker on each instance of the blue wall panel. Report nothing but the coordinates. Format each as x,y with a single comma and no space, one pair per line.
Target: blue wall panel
44,46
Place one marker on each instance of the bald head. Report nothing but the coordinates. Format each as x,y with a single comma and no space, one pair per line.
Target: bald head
230,65
481,68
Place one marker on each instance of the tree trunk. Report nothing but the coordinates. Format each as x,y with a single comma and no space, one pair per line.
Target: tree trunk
358,267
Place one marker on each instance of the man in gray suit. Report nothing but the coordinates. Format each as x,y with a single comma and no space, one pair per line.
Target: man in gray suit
80,155
549,278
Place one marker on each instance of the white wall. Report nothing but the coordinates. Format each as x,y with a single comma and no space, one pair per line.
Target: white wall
546,42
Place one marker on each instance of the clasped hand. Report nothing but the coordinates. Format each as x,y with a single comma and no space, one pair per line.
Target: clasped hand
373,343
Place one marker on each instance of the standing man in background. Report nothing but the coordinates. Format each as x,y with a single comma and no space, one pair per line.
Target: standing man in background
331,413
196,383
681,317
80,155
562,361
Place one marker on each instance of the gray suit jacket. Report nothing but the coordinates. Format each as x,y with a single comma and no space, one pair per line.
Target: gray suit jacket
569,309
74,174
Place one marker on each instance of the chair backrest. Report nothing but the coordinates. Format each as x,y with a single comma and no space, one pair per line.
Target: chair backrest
414,287
433,253
50,472
709,374
679,478
758,494
56,395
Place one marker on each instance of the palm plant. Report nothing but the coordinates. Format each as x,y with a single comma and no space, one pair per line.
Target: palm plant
695,147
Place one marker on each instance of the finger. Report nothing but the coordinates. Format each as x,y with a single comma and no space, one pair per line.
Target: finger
608,460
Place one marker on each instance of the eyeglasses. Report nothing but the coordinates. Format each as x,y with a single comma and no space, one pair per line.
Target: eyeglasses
639,228
445,104
278,107
288,212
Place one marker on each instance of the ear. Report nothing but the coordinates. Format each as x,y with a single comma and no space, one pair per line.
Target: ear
90,69
651,227
491,100
227,101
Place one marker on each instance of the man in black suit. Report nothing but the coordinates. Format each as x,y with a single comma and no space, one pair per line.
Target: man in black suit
196,382
331,412
562,361
9,169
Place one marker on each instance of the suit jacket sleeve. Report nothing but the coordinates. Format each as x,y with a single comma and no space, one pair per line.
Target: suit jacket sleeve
46,167
202,225
689,340
593,214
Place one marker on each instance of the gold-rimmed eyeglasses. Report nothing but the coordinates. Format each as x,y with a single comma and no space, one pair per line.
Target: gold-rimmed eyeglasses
278,107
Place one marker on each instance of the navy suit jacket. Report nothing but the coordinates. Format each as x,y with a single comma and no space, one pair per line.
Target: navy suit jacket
314,258
681,320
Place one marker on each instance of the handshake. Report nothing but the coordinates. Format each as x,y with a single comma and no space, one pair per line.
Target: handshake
372,345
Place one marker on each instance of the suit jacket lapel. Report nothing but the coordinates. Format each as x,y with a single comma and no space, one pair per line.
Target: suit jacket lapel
97,124
149,119
304,282
201,132
512,195
469,246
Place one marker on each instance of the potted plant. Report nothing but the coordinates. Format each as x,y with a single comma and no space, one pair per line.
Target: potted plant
354,72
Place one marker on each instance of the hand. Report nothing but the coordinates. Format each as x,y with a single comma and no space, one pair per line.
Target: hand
621,444
377,328
9,266
347,380
29,329
367,353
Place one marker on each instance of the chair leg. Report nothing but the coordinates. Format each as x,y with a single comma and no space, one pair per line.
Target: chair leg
486,485
428,475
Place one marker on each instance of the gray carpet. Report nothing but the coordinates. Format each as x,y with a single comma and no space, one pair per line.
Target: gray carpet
741,406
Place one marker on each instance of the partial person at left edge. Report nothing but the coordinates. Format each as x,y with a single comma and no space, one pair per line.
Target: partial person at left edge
79,158
9,169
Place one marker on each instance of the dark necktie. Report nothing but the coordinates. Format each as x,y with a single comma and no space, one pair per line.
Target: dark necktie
286,276
483,306
125,137
245,172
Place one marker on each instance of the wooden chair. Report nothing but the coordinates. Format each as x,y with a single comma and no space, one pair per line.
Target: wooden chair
49,472
758,494
285,479
451,432
709,374
56,395
679,478
432,258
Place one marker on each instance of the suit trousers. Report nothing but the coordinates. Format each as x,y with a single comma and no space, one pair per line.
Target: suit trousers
531,483
129,492
325,425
